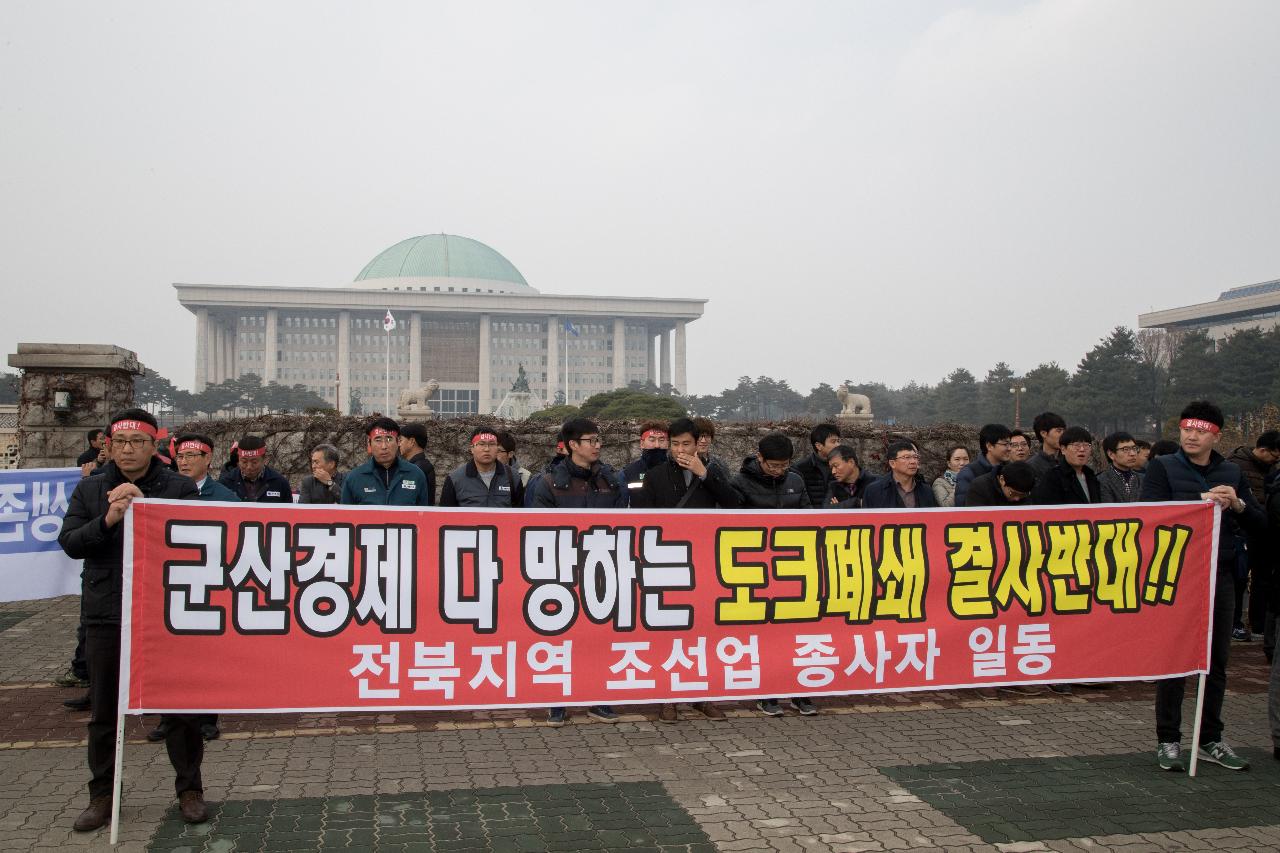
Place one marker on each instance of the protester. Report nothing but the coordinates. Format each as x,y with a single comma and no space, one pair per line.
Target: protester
848,481
1048,428
1009,484
902,487
1019,446
1163,447
324,484
944,488
1144,454
507,455
580,481
483,481
993,450
91,531
1257,463
1121,482
815,469
385,479
413,448
1071,480
252,479
1198,472
653,451
97,444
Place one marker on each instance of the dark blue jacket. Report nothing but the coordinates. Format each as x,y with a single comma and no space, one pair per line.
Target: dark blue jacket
212,490
568,485
1176,478
967,475
883,494
275,488
760,490
632,476
406,485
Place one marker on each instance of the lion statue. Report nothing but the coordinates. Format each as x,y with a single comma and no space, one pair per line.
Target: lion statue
413,401
853,404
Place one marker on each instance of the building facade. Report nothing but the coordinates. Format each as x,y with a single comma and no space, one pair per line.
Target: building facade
1251,306
465,317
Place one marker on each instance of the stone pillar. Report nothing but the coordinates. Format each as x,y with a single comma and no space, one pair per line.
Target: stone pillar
344,363
272,351
486,401
650,359
682,376
415,350
92,381
202,349
229,350
665,345
619,353
216,351
553,359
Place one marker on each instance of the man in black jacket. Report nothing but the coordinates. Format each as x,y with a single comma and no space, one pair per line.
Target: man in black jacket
993,450
252,479
1198,472
653,452
902,487
1010,484
848,481
483,481
815,469
92,531
767,481
1070,480
413,448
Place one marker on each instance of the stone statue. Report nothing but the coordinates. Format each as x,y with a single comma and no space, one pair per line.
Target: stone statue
521,385
413,401
854,407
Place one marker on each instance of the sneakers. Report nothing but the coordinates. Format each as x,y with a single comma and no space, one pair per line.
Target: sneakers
70,679
1169,756
556,717
1241,634
603,713
708,710
770,708
1219,753
667,713
804,706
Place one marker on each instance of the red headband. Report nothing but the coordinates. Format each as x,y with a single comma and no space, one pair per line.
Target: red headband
484,436
1202,426
140,426
649,432
252,454
378,432
192,444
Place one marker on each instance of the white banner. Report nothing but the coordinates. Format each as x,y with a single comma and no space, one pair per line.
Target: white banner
33,502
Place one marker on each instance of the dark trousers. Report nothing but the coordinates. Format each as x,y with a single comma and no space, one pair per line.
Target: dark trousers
1169,692
1259,581
183,740
79,666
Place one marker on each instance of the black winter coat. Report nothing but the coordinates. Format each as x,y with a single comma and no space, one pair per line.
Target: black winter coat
85,535
883,494
465,487
846,497
759,490
986,491
1059,486
275,488
1175,478
663,488
312,491
568,486
816,474
429,471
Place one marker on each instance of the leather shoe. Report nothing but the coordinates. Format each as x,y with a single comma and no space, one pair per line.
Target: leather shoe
80,704
192,808
708,710
97,815
210,731
667,713
158,734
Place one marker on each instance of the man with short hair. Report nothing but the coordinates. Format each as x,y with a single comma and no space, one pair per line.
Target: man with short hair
92,531
384,479
483,481
1144,454
1048,428
814,469
507,455
1010,484
1071,480
324,484
902,487
848,481
252,480
1121,482
1257,463
993,450
1019,446
1198,472
413,448
653,452
97,440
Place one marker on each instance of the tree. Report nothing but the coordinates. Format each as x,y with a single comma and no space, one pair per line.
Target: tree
9,388
1195,369
1156,349
555,414
822,401
1106,391
957,398
995,403
1048,387
625,403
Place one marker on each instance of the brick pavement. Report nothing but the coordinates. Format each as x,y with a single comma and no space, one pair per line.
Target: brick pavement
930,771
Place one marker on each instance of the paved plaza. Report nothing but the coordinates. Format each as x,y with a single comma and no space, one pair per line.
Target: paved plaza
927,771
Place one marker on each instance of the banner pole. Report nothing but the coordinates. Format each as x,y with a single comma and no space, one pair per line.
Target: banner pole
1195,737
117,792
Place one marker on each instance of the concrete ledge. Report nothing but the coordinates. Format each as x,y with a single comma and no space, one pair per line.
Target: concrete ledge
37,356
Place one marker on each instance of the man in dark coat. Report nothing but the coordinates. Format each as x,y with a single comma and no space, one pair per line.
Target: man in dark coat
92,531
1010,484
483,481
385,478
252,479
1257,463
413,447
815,469
766,480
1197,472
993,450
1048,428
653,452
324,484
902,487
1071,480
848,481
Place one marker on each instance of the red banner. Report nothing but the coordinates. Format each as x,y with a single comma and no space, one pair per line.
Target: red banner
262,608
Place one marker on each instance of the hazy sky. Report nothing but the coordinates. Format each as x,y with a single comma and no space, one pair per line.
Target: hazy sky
865,190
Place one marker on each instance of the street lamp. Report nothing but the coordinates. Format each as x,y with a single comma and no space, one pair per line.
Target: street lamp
1017,391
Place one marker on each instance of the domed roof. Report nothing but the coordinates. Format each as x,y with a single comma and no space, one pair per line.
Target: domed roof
441,256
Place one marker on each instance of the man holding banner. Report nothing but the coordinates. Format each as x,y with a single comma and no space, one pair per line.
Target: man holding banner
1198,472
93,531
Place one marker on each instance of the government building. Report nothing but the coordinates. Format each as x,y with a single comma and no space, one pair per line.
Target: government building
1250,306
464,317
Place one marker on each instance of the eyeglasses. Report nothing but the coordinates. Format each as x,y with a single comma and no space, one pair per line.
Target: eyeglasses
906,457
384,439
1128,448
486,445
593,440
132,442
189,456
1080,445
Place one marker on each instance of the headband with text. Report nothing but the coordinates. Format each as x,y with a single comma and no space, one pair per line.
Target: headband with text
197,446
252,454
1202,426
140,426
487,437
379,432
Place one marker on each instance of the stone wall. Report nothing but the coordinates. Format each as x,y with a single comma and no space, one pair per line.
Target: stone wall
290,439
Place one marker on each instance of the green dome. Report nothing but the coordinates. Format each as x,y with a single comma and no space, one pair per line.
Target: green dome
441,256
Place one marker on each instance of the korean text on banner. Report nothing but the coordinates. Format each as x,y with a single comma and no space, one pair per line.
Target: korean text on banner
32,504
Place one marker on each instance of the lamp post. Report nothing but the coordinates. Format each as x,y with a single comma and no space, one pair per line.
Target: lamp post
1017,391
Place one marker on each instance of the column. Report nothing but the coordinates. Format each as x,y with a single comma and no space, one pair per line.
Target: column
553,359
415,350
619,353
682,377
202,349
665,345
229,350
272,350
215,351
486,403
650,361
343,369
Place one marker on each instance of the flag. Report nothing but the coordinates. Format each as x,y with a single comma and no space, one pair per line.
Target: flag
570,328
388,322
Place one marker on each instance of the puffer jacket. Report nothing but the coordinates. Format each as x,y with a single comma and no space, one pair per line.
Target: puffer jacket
763,491
568,485
1254,471
816,474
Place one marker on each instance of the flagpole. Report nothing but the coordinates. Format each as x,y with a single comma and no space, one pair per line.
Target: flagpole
386,402
566,361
